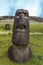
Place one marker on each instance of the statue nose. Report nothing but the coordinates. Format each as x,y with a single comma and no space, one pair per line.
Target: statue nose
21,18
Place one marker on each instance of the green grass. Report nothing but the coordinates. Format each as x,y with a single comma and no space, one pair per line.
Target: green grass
2,27
36,27
33,27
36,44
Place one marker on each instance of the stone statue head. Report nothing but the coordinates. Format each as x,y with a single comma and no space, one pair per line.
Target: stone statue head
21,27
7,27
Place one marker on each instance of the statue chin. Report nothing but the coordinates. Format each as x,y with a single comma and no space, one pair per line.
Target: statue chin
20,38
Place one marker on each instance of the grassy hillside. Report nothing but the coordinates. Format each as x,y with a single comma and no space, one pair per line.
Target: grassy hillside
38,19
10,21
36,44
34,27
2,27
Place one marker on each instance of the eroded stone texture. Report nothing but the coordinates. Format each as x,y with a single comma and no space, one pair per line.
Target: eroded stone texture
21,28
20,52
7,27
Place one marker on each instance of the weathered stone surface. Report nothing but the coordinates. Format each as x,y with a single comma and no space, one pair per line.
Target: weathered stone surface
7,27
20,53
21,28
21,37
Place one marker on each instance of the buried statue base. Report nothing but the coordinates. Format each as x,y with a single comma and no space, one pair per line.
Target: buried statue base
19,54
7,27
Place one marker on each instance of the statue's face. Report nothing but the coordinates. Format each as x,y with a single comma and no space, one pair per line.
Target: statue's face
21,27
21,20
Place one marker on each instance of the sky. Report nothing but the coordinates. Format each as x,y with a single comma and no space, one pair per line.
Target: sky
9,7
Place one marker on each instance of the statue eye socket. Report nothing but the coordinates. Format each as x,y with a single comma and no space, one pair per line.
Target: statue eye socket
17,14
21,26
25,14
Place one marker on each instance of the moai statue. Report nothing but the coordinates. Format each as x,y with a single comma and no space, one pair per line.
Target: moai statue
20,52
7,27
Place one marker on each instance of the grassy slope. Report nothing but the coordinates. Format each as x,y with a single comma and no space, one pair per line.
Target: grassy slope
36,27
2,27
36,44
